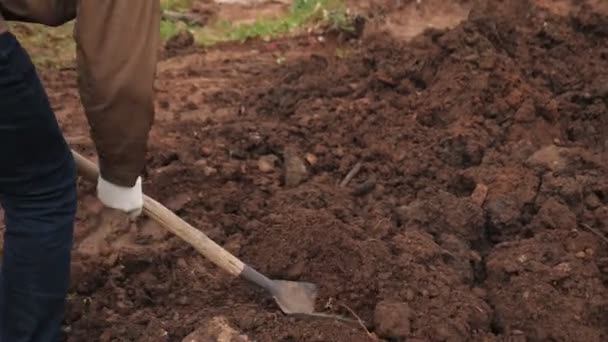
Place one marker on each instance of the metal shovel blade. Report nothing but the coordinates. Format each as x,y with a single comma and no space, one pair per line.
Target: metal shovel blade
295,297
298,298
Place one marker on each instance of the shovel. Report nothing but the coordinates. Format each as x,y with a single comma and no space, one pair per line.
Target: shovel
293,297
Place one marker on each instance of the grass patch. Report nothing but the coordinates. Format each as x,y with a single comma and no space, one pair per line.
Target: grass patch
49,47
301,13
170,28
176,5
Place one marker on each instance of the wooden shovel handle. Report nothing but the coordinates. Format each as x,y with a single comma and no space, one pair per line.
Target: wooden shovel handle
177,226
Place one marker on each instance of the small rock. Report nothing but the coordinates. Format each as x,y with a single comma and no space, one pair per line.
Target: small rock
581,254
311,158
267,163
296,270
392,320
522,258
560,271
205,151
255,138
479,194
216,329
209,171
295,169
564,267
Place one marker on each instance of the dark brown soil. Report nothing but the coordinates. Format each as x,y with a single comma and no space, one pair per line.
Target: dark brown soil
477,214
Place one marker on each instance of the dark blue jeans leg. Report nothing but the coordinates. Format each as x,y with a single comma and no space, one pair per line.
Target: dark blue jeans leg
38,195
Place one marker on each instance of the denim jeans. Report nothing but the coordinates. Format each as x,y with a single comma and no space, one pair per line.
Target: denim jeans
38,196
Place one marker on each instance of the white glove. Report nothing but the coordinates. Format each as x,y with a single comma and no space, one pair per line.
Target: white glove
128,200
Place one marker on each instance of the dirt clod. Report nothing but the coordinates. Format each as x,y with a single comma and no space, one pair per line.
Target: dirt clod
295,169
392,320
479,194
177,202
549,157
181,40
216,329
267,163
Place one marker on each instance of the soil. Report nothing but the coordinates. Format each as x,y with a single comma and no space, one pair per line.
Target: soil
478,213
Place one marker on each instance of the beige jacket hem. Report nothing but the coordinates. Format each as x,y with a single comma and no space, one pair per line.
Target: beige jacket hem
117,43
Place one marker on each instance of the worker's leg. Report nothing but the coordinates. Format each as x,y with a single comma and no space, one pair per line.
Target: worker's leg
38,195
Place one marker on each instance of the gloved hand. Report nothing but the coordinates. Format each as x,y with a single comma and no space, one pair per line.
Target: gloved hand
128,200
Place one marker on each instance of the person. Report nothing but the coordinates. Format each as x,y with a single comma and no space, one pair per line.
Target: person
116,52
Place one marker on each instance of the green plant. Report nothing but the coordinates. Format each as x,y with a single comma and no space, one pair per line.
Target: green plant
169,29
176,5
49,47
300,14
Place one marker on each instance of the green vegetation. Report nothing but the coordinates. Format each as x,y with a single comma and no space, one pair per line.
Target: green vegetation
49,47
176,5
301,14
169,29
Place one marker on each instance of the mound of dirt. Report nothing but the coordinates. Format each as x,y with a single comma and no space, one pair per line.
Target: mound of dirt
484,154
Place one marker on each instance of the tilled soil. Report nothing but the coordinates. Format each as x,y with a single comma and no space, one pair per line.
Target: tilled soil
479,212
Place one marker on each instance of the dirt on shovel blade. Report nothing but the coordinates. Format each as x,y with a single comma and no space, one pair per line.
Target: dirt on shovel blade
478,213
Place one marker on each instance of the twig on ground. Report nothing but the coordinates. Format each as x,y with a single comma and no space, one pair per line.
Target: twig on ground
371,336
595,231
351,174
177,16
